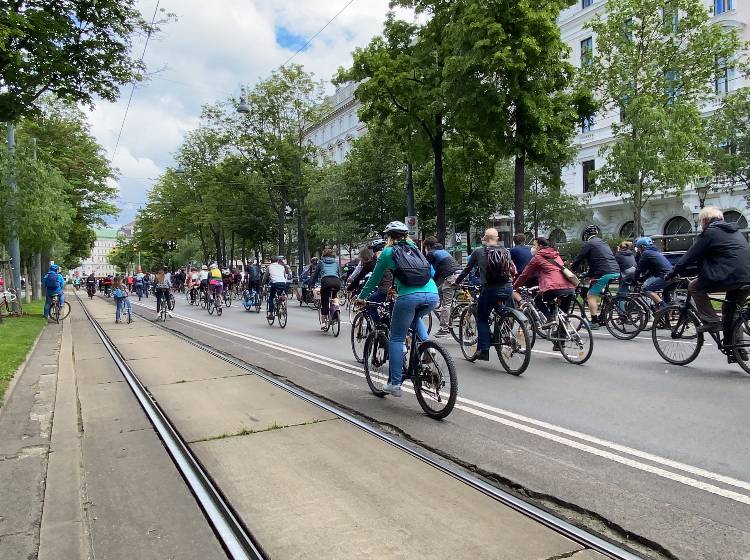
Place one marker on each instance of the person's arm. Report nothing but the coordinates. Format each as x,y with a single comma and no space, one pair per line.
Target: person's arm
473,260
316,275
694,254
582,256
266,277
385,262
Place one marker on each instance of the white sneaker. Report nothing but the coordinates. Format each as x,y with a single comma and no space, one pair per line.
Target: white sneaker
393,390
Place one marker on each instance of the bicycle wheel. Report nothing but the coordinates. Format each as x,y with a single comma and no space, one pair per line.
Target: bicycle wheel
228,299
56,312
579,307
218,308
271,317
532,326
675,335
469,339
335,324
624,318
203,300
454,323
512,344
436,382
282,314
65,311
257,303
741,343
210,306
171,302
376,362
361,328
574,339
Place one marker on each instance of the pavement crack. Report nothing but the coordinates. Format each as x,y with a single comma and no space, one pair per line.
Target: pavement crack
248,431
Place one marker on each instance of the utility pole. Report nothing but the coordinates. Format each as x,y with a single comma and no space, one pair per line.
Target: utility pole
14,246
410,207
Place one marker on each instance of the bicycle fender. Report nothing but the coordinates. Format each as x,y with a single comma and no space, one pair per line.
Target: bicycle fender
516,313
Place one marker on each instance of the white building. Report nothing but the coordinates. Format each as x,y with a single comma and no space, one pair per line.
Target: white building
664,216
98,263
340,126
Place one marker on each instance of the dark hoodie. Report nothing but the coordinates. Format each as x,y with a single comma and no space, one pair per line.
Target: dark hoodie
722,255
625,259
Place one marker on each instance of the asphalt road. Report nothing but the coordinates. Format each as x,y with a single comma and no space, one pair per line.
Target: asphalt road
641,451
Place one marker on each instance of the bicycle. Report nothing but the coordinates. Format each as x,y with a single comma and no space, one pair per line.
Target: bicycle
334,317
213,303
56,309
428,366
677,340
623,317
462,298
279,309
251,300
508,335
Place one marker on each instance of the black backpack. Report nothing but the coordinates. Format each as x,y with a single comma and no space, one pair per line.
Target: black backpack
412,268
498,264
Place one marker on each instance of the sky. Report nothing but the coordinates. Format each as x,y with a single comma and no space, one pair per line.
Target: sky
203,55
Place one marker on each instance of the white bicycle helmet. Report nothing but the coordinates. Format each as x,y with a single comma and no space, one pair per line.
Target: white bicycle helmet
396,227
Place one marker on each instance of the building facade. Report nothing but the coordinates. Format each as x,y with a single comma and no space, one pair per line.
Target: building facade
98,263
665,216
336,132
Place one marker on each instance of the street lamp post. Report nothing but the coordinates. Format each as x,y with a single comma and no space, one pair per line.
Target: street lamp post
702,190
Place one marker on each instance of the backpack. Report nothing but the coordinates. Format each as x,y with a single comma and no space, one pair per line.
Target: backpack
412,269
51,281
498,264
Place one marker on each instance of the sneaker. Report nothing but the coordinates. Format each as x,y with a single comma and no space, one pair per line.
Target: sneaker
709,327
393,390
483,356
556,347
443,331
594,325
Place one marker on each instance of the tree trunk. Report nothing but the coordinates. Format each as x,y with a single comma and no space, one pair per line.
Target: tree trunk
519,178
468,240
437,147
280,230
36,276
637,209
231,258
27,272
43,268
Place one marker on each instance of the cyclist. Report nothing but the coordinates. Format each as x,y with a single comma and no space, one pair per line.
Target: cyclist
120,293
107,283
626,261
723,258
307,275
227,277
54,282
521,253
417,296
203,277
446,270
278,275
77,282
146,284
603,268
253,276
91,284
496,271
329,275
384,287
162,289
652,267
130,282
546,266
139,283
215,280
367,260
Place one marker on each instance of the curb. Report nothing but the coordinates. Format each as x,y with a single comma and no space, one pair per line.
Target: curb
19,372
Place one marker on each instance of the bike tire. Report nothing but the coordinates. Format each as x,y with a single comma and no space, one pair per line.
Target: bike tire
469,337
210,306
624,318
532,326
361,328
376,362
580,335
257,303
219,310
228,300
675,335
336,325
282,314
455,321
518,345
429,383
66,310
741,343
171,302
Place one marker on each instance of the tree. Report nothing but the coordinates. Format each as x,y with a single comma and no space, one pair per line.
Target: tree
729,134
76,49
509,83
654,62
549,206
401,75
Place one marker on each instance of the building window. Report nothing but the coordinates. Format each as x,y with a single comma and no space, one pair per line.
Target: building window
734,217
721,6
627,231
672,87
678,226
557,236
586,3
587,124
670,17
588,167
721,80
587,51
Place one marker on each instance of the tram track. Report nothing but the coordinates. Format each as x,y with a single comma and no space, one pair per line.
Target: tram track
235,536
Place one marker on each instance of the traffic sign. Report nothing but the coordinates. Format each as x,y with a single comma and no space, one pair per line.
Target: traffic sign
412,222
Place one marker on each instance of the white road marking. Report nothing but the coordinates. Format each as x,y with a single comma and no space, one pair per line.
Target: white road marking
513,420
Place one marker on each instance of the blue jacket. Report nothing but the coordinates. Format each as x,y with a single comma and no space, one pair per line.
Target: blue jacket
442,263
326,267
652,263
520,255
60,283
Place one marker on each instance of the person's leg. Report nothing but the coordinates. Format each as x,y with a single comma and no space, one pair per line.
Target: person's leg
401,320
425,304
118,309
485,304
650,286
703,306
325,297
47,305
733,299
128,308
376,297
448,294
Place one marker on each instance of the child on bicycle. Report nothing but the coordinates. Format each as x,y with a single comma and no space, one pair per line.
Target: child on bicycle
120,294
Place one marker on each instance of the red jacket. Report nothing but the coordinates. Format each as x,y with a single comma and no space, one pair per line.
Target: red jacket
549,274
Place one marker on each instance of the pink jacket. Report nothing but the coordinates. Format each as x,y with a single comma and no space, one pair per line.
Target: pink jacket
549,274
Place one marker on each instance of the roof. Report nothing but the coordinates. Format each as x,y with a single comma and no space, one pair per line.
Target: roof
106,233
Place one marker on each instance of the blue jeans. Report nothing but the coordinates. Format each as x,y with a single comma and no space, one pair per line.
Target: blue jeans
276,287
656,284
375,297
626,280
120,304
404,317
48,302
488,300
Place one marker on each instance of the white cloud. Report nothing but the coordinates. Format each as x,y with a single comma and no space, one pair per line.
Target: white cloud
203,56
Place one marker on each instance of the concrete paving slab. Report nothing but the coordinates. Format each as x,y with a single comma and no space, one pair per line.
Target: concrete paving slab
111,408
140,507
97,370
588,555
166,348
20,511
188,365
328,491
245,402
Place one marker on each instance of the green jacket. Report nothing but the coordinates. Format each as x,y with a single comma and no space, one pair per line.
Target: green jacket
385,262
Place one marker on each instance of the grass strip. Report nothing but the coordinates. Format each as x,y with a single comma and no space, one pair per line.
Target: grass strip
17,334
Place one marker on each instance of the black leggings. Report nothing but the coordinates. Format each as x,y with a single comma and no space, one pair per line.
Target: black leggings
329,286
546,302
162,297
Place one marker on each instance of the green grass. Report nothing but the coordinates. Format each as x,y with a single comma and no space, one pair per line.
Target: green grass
17,334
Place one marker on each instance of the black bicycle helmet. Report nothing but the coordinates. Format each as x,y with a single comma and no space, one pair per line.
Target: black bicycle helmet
590,231
377,245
